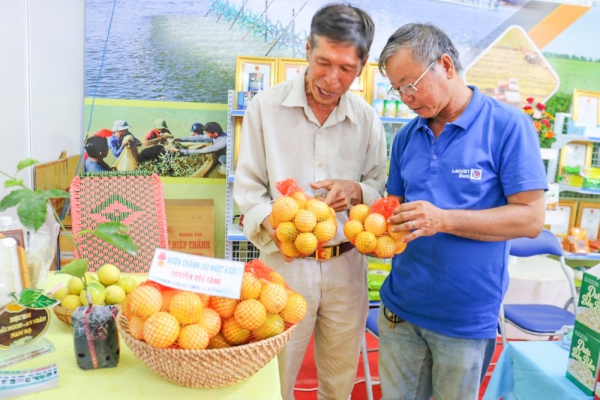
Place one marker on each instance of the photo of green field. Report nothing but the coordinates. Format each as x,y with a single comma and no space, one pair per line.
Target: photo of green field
575,74
512,69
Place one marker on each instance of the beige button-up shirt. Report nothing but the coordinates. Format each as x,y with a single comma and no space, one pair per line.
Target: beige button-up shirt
281,138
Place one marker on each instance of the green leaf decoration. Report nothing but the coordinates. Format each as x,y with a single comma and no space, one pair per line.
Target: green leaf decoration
26,163
13,182
119,240
32,212
75,268
15,197
54,194
112,227
36,299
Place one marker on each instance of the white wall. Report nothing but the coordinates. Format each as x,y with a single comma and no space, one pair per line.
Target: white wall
41,80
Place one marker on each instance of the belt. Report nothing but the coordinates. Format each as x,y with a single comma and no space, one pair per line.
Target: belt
327,252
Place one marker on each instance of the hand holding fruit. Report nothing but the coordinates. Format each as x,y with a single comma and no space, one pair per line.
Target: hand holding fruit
420,217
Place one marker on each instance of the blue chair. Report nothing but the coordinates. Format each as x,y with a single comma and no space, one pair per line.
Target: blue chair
373,330
539,319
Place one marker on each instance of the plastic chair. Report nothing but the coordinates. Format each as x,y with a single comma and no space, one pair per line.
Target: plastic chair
373,330
539,319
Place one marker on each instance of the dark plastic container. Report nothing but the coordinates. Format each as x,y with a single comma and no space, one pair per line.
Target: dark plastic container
96,337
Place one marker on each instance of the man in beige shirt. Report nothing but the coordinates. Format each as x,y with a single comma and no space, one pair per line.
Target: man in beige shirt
333,144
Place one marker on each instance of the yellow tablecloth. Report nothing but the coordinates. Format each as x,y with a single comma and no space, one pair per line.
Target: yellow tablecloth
131,379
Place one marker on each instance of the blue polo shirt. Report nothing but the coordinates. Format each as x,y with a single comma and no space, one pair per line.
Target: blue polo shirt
443,282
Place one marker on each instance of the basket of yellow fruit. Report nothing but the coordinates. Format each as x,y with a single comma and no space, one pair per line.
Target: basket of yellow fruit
368,230
302,223
208,342
107,288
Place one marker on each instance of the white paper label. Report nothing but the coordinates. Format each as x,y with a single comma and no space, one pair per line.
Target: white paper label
206,275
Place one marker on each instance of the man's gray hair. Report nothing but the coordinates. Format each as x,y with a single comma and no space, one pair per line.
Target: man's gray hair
427,42
343,23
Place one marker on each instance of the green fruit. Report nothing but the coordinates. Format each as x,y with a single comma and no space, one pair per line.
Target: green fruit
61,293
127,283
108,274
90,278
75,285
114,294
98,293
272,326
71,302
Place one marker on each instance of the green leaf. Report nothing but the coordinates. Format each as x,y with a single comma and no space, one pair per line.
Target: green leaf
75,268
54,194
13,182
29,296
36,299
119,240
112,227
26,163
32,212
15,197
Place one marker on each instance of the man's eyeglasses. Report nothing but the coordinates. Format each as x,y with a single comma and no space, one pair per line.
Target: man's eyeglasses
411,88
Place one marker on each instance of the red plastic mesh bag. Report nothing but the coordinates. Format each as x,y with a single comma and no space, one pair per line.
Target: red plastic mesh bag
266,308
303,224
385,206
368,230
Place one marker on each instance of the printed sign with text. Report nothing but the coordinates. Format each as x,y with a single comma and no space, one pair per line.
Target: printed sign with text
197,274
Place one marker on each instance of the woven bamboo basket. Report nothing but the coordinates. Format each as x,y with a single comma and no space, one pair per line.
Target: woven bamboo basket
206,369
64,314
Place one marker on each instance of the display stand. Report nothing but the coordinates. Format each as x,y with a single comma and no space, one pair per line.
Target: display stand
20,354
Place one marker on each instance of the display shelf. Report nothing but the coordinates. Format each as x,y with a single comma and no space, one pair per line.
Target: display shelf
581,257
235,234
394,120
577,189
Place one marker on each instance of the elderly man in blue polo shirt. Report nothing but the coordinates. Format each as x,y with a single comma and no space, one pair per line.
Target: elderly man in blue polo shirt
469,176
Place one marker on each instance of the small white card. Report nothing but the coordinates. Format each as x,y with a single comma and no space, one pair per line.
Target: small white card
205,275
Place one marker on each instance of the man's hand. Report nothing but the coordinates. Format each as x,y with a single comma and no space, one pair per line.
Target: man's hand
127,140
271,231
173,149
340,193
420,217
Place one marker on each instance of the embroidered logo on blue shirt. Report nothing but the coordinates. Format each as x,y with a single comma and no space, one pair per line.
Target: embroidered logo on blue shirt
468,173
475,174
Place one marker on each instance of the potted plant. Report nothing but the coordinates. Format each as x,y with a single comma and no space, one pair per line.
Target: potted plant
94,328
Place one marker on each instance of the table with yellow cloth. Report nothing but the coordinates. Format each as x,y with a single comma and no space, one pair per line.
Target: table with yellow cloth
131,378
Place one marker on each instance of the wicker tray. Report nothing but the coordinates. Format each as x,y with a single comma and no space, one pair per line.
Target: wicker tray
64,314
206,369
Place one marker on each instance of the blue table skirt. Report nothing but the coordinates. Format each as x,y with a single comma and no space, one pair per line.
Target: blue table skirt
530,371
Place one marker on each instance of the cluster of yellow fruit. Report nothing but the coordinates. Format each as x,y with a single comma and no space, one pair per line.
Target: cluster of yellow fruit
302,223
165,317
370,234
107,288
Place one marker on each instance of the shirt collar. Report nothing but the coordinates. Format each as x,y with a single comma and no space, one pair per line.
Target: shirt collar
297,98
468,115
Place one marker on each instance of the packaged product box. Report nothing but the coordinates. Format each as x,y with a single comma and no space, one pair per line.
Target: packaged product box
65,248
585,346
191,226
582,368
